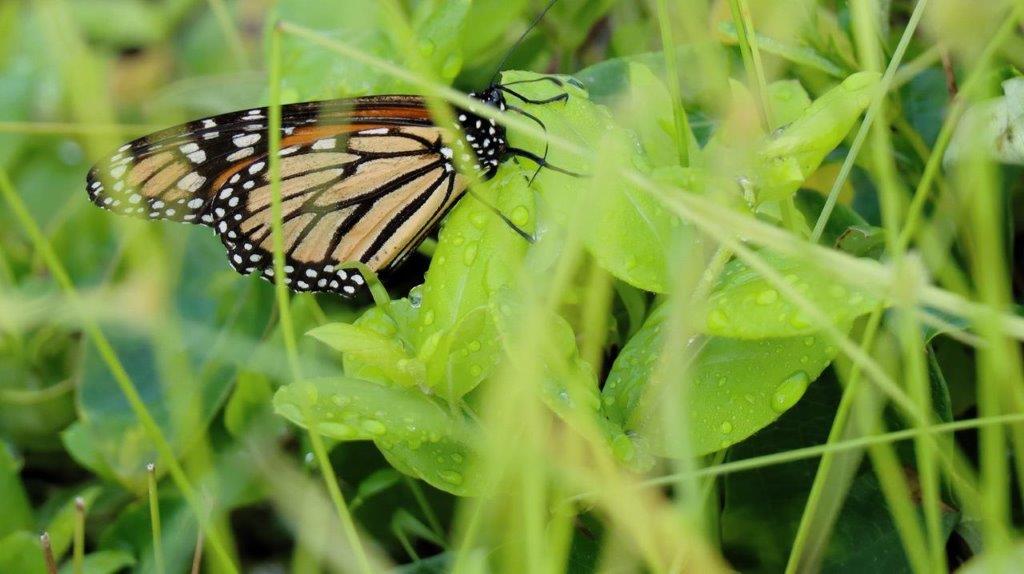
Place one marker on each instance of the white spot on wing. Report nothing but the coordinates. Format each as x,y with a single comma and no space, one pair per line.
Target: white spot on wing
326,143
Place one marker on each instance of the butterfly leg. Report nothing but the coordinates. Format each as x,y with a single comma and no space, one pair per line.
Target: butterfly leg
519,230
563,97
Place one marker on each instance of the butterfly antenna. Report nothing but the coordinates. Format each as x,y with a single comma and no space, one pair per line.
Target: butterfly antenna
522,37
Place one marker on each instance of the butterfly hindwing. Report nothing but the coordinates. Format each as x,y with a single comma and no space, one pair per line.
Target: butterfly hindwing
358,193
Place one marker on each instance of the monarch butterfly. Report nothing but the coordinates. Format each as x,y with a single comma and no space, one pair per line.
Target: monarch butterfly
363,179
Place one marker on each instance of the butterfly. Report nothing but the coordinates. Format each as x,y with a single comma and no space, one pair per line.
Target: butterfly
363,179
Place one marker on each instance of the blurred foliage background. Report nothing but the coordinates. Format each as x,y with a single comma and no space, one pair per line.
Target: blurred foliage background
927,214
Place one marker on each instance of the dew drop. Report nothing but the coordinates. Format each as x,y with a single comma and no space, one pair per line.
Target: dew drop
725,427
789,392
767,297
478,220
474,346
520,216
428,317
458,240
475,370
451,476
809,341
717,319
374,427
452,65
623,448
469,255
335,430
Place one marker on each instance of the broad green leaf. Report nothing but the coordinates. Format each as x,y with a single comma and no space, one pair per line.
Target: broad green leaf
788,100
17,511
102,562
21,552
418,435
744,305
628,231
649,113
790,155
735,387
438,27
314,72
485,24
464,355
477,253
379,357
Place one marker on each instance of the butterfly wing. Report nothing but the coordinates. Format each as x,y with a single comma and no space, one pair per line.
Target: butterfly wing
361,180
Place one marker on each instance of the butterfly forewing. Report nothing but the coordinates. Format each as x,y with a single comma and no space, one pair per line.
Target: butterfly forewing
361,180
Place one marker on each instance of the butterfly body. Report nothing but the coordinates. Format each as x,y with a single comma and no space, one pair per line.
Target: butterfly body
362,179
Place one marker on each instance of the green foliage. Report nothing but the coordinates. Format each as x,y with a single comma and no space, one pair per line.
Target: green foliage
506,411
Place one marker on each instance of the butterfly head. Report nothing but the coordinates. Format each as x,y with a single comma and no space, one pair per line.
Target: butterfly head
484,136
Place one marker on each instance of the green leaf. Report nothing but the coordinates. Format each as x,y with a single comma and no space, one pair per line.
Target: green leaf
380,358
17,511
477,253
419,436
464,356
735,387
788,99
744,305
376,483
314,72
790,155
627,231
102,562
800,55
650,115
21,552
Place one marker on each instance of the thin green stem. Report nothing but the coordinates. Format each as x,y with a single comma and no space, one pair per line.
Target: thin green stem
685,141
810,520
109,357
78,542
154,519
752,58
